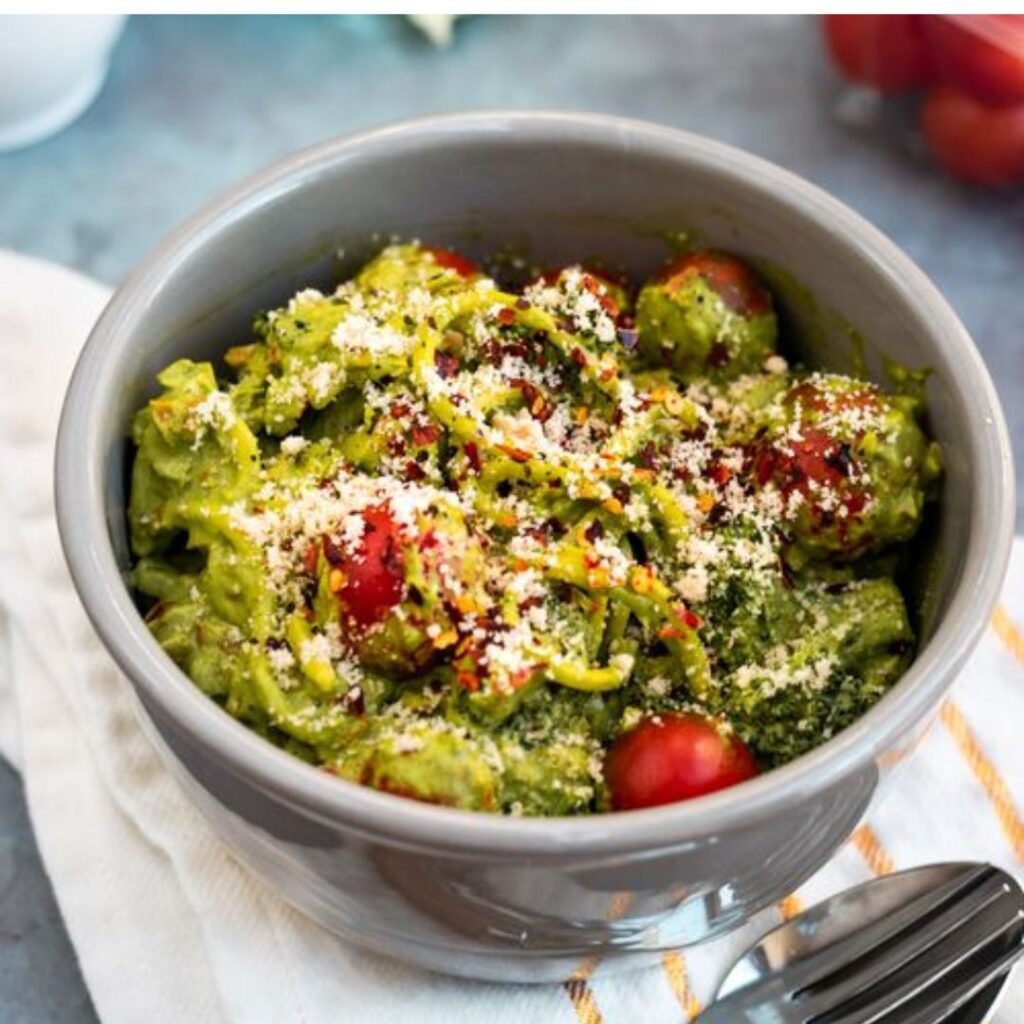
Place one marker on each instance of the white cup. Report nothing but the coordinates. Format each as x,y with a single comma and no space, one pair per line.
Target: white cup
51,69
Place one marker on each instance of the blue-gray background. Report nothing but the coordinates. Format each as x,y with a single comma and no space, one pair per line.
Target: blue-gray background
192,104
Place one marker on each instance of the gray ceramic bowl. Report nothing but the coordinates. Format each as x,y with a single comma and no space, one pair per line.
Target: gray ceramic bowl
472,894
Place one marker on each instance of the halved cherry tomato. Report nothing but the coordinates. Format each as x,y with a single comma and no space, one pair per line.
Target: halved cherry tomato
982,54
887,51
983,145
372,577
674,757
453,261
730,277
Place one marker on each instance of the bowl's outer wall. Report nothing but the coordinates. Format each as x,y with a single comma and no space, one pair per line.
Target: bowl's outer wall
505,918
554,191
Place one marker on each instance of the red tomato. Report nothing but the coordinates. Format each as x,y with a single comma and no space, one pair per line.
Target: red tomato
819,467
730,277
373,581
983,145
453,261
887,51
983,54
816,458
674,757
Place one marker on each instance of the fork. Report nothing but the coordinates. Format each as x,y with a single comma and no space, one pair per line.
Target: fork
920,964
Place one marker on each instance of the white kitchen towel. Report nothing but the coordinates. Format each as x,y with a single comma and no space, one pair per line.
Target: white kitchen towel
168,927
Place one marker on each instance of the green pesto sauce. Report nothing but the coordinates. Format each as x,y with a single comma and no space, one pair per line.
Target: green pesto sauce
593,523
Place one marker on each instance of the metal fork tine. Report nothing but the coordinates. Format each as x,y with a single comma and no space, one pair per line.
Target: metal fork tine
949,1001
968,920
980,932
858,944
975,917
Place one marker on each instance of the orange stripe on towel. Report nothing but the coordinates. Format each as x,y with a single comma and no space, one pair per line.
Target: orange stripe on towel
585,968
987,775
871,849
679,982
618,905
583,1002
1011,636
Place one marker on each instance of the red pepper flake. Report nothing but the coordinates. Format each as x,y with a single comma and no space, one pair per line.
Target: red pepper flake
528,390
506,316
522,677
600,291
578,356
515,454
309,559
473,456
645,457
720,474
413,472
689,619
426,434
399,409
468,681
535,401
447,365
540,410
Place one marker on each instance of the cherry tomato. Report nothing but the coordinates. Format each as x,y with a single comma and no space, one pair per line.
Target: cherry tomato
674,757
983,145
983,54
887,51
373,580
818,467
730,277
813,460
453,261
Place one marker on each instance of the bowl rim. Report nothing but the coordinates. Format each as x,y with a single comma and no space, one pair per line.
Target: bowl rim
82,521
